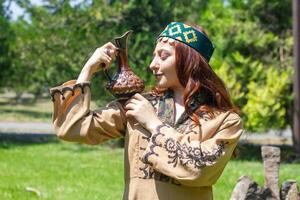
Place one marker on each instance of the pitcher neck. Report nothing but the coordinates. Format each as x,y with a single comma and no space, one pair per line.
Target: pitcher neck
123,60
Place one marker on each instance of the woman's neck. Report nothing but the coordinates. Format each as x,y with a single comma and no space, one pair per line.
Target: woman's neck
178,103
178,96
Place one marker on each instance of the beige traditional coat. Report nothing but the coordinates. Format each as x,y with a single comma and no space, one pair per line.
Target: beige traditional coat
178,161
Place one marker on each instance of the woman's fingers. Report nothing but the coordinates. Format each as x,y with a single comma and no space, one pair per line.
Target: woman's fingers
134,101
140,109
102,58
129,106
129,113
106,57
110,49
105,60
110,46
132,104
111,53
138,96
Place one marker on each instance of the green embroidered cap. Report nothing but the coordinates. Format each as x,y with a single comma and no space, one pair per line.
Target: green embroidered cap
191,37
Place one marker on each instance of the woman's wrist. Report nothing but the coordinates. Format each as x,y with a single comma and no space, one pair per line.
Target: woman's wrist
153,124
85,74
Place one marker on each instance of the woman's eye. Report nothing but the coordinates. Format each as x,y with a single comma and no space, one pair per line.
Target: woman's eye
164,56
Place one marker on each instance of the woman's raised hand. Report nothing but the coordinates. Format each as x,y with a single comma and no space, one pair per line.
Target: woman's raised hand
142,110
103,57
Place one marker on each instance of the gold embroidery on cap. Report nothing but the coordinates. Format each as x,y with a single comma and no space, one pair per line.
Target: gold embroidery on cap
174,30
192,34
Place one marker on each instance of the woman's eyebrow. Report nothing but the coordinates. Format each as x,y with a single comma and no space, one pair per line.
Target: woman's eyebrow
160,50
163,49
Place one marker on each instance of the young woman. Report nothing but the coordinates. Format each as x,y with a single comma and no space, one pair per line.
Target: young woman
178,139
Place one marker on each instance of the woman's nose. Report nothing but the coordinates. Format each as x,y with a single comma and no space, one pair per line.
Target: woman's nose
153,65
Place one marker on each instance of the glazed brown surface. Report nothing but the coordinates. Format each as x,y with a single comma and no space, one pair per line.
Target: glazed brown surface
125,83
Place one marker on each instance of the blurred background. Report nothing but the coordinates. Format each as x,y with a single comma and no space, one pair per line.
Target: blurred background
44,43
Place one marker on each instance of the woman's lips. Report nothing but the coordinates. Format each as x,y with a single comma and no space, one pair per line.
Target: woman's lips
158,76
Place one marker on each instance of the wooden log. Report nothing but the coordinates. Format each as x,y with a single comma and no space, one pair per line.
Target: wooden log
247,189
271,159
241,188
289,190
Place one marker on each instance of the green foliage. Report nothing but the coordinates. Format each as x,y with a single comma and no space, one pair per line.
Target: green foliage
266,100
47,47
253,40
5,37
254,59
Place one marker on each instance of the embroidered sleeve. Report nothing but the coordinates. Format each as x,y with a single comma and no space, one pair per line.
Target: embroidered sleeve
187,159
74,121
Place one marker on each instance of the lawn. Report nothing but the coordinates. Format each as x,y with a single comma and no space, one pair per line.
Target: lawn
72,171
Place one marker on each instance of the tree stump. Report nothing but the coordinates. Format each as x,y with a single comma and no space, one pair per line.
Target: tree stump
289,190
271,159
247,189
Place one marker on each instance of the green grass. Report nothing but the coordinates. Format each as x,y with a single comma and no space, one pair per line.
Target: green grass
72,171
61,171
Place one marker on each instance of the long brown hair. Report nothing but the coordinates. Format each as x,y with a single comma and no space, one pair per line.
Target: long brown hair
200,82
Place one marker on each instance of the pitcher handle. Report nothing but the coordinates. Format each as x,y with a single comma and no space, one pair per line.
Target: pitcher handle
106,72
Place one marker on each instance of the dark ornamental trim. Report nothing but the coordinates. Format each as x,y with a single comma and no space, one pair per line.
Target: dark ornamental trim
150,173
191,156
72,88
154,144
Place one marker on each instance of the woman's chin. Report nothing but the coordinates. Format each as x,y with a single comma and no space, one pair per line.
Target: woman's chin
161,88
161,85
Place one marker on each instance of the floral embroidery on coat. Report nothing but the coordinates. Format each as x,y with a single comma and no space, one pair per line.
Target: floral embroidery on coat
184,154
191,156
153,145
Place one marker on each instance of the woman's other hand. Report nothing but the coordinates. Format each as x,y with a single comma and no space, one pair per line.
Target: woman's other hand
103,57
141,109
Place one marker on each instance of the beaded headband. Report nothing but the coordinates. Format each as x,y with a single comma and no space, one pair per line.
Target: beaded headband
191,37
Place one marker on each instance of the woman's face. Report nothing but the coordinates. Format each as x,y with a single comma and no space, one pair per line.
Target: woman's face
163,64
